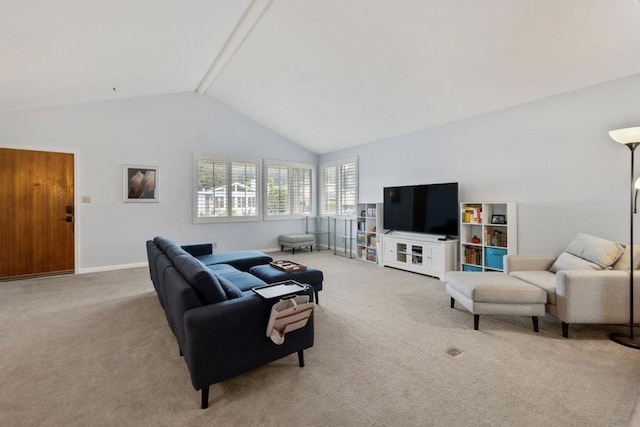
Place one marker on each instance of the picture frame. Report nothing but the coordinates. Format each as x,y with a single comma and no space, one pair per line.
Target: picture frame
140,184
498,219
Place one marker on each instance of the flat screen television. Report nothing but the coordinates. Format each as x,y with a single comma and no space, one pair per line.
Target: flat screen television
428,208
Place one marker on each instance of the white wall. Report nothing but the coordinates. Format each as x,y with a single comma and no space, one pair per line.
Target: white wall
553,157
161,131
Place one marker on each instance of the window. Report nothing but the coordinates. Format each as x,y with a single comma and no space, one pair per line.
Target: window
289,189
227,188
339,187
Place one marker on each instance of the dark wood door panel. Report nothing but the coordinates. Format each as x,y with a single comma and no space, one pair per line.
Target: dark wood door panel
35,235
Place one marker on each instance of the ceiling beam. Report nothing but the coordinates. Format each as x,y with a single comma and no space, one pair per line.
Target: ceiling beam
249,19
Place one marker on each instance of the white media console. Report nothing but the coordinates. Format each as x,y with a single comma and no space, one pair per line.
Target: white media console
419,253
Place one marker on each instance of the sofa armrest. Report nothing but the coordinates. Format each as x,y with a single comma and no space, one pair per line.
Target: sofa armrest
229,338
528,263
593,296
199,250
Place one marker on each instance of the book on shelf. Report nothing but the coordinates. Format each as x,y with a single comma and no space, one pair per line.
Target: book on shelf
372,255
472,214
473,256
495,238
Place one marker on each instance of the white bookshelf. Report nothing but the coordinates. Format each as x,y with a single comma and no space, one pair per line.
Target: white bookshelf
369,226
488,230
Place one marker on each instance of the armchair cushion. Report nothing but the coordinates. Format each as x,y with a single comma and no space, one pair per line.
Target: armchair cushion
567,261
528,262
542,279
625,260
595,249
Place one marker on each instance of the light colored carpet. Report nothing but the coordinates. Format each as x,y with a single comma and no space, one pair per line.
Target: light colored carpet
95,349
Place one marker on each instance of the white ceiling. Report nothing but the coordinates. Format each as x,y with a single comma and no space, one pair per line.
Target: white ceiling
327,74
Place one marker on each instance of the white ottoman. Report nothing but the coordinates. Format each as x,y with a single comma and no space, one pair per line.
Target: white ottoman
295,241
495,293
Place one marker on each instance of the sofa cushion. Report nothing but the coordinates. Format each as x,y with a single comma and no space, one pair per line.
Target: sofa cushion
625,260
242,260
567,261
542,279
175,251
202,280
595,249
230,289
164,243
243,281
220,269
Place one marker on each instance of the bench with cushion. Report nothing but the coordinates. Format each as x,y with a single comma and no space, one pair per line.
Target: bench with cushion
296,241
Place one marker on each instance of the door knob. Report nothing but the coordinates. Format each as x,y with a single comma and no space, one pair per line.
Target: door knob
69,219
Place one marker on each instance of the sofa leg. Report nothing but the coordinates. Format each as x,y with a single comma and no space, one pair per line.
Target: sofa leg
565,330
281,248
293,251
317,299
453,302
476,321
535,323
180,352
205,397
311,247
301,359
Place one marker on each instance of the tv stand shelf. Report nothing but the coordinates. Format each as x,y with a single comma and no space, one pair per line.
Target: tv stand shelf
420,253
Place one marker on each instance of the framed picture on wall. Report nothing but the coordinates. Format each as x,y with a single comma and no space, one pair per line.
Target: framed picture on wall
140,184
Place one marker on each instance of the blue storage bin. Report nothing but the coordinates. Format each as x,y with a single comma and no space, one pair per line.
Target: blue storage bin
471,268
493,257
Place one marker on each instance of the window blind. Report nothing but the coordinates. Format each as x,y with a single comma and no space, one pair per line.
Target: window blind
226,188
339,187
289,189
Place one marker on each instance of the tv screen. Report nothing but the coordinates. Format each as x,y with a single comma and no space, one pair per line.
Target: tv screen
429,208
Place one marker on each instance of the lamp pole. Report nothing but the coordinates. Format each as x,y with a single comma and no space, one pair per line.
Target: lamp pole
631,138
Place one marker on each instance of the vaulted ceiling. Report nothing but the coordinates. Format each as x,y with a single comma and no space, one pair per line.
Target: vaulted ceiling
327,74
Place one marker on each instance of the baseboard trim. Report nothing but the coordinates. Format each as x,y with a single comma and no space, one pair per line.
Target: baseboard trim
111,268
265,250
142,264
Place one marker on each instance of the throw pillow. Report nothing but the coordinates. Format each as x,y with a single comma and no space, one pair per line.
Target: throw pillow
625,260
201,279
567,261
595,249
230,288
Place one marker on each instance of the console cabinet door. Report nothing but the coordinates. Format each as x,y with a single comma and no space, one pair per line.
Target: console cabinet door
434,259
390,253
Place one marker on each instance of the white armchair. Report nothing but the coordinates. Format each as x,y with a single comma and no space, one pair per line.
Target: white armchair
578,296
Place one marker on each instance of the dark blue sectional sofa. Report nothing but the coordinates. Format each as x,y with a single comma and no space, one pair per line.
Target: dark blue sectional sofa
218,321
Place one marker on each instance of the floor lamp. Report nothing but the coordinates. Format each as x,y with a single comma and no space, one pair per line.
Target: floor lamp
631,138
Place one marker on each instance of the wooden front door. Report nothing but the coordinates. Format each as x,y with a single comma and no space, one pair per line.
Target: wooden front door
36,213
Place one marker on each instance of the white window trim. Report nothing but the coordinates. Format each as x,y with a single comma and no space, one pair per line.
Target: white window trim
229,217
265,191
338,163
